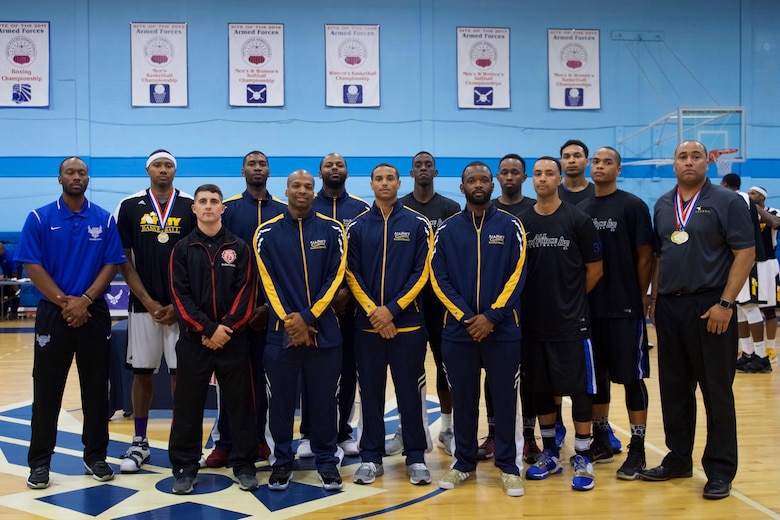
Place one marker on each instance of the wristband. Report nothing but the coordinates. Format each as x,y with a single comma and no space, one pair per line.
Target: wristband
85,295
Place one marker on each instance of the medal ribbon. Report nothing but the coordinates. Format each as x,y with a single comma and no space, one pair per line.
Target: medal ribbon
683,213
163,215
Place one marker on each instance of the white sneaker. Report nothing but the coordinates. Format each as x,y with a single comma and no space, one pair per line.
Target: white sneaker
304,448
367,473
395,445
350,447
454,478
446,440
418,474
137,454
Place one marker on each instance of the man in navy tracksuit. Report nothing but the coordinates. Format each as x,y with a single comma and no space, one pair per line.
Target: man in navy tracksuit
477,273
243,214
213,288
301,256
333,201
387,267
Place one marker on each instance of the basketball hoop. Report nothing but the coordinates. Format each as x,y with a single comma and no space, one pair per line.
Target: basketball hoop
719,158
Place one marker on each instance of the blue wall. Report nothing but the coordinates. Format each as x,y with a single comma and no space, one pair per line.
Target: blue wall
718,52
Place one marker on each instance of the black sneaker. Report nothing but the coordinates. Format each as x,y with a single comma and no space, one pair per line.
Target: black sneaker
99,470
331,480
183,485
39,478
601,448
743,360
634,464
280,477
758,365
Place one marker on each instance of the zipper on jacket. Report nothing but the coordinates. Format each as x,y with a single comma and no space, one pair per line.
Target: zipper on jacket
478,229
303,257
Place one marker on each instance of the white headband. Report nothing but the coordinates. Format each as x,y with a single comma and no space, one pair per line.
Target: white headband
759,189
160,155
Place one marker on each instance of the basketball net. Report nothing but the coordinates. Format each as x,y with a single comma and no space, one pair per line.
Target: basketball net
722,159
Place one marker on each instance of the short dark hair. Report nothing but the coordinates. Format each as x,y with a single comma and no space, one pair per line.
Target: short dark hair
213,188
163,150
617,154
732,180
512,156
68,159
333,153
426,153
475,163
575,142
253,152
553,159
385,165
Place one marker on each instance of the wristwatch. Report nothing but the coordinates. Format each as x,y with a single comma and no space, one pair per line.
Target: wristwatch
727,304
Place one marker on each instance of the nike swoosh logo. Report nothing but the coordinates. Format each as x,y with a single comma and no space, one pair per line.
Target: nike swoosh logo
55,228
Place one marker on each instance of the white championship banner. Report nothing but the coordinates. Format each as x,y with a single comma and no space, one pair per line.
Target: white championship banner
256,54
352,65
573,67
24,70
483,67
159,64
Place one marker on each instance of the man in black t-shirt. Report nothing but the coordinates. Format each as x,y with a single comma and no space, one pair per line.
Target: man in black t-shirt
616,307
436,208
575,187
564,264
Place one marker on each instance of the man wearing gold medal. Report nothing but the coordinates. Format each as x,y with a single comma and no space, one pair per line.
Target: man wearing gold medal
705,249
150,222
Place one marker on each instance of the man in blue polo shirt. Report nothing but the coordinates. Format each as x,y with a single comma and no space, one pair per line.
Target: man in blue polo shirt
70,249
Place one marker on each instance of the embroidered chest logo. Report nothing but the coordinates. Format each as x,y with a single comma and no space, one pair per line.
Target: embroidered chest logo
318,244
229,257
497,240
401,236
151,222
542,240
95,232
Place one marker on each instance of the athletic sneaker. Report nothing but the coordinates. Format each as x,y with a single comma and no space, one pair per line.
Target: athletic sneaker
601,447
247,482
280,477
454,478
633,465
367,473
560,434
304,448
183,485
137,454
395,445
758,365
39,478
583,474
772,355
486,449
99,470
331,480
513,484
350,447
218,458
418,474
617,446
548,463
743,360
531,451
446,440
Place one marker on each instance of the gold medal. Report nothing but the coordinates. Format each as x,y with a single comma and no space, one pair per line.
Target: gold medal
163,238
679,237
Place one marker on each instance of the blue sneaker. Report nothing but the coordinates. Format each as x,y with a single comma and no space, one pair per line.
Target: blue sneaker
583,474
560,434
617,446
548,463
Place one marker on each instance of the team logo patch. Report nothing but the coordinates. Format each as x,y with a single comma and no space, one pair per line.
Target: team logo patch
229,256
401,236
497,240
318,244
42,339
95,232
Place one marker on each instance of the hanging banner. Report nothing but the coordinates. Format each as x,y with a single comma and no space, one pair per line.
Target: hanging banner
352,65
256,56
159,64
24,72
573,67
483,67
